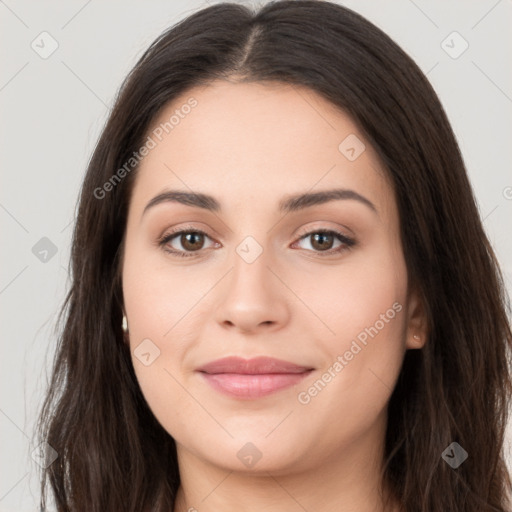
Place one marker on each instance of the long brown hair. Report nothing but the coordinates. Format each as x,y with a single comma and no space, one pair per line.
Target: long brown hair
113,455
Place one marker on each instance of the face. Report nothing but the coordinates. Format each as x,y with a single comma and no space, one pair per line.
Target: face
318,284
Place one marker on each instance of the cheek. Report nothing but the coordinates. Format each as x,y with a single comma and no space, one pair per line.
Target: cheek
161,307
156,296
347,299
363,304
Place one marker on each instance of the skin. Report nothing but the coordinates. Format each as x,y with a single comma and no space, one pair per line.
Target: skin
249,145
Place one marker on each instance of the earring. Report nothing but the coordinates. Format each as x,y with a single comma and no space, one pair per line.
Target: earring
125,324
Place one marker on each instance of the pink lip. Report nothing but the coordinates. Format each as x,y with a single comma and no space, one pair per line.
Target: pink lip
252,378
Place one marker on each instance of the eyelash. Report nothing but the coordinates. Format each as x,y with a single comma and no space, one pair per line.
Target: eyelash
347,242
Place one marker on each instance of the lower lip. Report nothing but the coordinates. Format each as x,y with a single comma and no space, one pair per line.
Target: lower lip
252,386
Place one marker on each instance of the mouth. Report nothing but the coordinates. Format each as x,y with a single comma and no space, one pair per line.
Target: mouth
253,378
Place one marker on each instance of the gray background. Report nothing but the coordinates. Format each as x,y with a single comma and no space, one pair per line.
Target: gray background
54,108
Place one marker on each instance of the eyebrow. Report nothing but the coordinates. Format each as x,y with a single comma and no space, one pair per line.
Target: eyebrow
286,205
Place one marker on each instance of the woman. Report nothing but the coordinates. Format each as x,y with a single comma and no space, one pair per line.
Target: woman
283,297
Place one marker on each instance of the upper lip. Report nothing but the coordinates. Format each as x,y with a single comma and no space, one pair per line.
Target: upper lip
255,366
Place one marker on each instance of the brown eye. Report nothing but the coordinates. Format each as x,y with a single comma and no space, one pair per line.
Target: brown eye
192,241
322,241
188,242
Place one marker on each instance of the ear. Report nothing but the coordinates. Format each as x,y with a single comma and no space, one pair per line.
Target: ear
416,328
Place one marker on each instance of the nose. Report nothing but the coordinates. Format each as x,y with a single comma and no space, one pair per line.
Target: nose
253,298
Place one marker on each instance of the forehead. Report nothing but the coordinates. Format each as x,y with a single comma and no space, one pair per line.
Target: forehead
257,142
